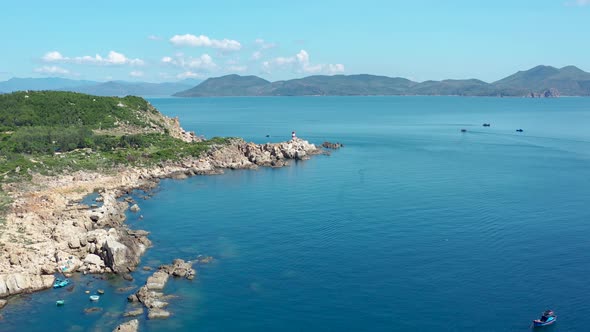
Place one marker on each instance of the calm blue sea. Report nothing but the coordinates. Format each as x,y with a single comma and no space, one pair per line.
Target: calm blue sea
412,226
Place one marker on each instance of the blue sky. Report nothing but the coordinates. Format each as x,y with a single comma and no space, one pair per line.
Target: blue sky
169,40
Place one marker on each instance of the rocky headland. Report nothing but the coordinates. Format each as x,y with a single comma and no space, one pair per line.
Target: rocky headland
47,231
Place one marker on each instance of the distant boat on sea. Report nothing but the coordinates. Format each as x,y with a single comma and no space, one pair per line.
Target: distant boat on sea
519,130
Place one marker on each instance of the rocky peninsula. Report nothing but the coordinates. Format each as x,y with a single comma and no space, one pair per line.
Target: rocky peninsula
47,231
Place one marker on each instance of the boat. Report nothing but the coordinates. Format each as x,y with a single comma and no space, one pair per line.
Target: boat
60,303
94,298
519,130
59,283
548,318
463,130
486,124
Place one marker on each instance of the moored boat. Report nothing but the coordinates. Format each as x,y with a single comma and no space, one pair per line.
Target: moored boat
94,298
60,302
547,318
59,283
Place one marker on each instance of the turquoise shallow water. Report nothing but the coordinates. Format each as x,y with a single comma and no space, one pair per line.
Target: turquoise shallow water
412,226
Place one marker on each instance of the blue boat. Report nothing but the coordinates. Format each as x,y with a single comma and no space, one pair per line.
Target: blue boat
59,283
548,318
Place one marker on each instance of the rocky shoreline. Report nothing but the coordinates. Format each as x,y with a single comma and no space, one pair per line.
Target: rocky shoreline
48,232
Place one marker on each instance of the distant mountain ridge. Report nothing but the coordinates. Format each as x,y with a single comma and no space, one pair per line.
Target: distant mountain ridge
538,81
111,88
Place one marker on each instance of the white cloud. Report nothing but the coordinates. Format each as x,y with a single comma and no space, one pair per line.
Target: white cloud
204,41
262,44
237,68
154,37
112,59
301,63
52,70
188,74
579,3
53,56
204,62
136,73
256,55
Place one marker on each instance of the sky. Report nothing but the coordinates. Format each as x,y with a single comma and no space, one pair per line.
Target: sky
161,41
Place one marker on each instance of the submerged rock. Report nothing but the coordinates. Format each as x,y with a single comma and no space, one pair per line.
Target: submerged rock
133,313
330,145
158,314
134,208
92,310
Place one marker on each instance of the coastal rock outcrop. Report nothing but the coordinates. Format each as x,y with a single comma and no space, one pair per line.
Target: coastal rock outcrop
130,326
47,230
150,294
333,146
549,93
16,283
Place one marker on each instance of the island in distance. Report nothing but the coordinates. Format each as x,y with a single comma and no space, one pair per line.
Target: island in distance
540,81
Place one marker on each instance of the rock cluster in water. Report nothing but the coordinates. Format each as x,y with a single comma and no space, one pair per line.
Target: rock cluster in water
333,146
549,93
151,296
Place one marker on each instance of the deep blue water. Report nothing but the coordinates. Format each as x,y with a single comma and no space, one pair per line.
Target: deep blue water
412,226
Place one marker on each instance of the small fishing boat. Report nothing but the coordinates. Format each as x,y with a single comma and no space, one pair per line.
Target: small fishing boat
100,291
548,318
94,298
463,130
59,283
486,124
519,130
60,303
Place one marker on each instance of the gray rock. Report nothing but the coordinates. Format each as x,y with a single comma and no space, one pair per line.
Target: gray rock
92,310
158,314
94,260
134,208
134,313
74,243
130,326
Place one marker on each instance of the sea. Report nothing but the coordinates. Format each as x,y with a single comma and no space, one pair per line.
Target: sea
413,225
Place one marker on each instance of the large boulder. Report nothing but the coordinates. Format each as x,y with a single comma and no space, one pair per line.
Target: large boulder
115,255
158,314
130,326
16,283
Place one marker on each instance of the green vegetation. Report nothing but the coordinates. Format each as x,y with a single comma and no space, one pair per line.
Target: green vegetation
63,109
56,132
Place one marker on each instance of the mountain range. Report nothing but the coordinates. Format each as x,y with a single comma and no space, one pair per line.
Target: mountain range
540,81
111,88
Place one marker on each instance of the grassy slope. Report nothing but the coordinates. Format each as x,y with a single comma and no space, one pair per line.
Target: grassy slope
56,132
